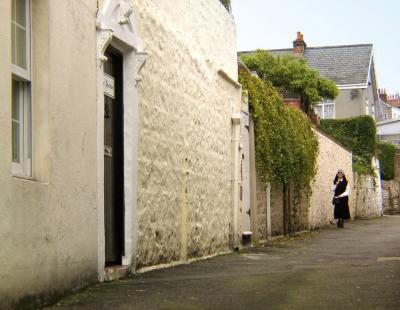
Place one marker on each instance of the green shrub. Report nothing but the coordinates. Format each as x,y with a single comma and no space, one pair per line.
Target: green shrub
357,134
387,159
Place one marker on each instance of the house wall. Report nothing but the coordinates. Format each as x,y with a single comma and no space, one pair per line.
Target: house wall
388,128
331,158
185,130
347,107
43,220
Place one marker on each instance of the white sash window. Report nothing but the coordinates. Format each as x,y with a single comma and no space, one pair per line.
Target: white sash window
325,109
21,118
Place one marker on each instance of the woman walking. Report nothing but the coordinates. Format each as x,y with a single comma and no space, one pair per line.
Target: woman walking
341,198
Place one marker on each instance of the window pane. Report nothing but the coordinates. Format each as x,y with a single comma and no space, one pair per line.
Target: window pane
13,51
21,12
16,138
28,119
15,100
13,10
318,111
21,47
329,111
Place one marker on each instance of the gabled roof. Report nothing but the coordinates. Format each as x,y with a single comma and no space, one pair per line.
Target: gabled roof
344,64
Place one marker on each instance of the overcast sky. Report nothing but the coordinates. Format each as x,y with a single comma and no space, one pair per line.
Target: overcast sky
273,24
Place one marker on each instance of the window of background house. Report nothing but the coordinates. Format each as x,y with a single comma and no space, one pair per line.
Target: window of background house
325,109
21,88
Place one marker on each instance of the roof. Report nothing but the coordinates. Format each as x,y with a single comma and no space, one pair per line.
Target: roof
389,121
344,64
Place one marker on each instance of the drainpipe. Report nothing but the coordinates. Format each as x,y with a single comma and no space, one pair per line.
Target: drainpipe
235,176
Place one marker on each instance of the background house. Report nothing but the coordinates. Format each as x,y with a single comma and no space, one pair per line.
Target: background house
385,110
351,67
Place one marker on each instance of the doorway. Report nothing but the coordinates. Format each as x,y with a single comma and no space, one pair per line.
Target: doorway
113,158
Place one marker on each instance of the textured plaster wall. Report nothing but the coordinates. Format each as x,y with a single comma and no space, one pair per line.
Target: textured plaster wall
185,109
48,226
331,158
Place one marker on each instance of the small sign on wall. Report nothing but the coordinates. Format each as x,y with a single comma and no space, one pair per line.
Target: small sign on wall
109,86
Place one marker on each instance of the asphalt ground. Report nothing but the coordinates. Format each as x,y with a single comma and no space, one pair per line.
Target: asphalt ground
357,267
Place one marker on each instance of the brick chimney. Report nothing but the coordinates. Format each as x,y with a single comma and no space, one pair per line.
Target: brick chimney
383,95
299,45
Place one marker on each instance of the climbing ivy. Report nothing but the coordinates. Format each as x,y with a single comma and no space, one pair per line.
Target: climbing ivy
386,153
286,146
357,134
226,4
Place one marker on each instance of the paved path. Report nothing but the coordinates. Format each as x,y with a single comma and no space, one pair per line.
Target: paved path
357,267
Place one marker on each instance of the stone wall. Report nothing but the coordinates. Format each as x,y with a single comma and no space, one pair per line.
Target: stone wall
185,130
368,196
390,196
261,212
332,157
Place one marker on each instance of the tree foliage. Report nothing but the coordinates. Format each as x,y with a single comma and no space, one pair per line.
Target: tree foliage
292,73
286,146
226,4
357,134
386,153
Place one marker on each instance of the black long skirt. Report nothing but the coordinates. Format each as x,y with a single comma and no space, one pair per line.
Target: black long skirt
342,210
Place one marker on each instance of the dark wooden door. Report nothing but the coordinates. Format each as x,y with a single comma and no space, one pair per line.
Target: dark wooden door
113,159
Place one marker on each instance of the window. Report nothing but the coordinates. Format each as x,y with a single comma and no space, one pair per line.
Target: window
21,119
325,109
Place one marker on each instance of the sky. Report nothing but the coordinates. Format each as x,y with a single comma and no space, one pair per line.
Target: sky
269,24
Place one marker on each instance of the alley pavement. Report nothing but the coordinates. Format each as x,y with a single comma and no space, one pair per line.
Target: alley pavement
357,267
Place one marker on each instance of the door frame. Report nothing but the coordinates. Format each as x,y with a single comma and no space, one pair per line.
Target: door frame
118,30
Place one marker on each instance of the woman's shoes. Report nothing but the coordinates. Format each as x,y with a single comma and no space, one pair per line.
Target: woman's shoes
340,223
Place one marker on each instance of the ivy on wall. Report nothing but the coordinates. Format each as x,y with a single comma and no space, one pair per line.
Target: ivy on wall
286,146
227,4
357,134
386,153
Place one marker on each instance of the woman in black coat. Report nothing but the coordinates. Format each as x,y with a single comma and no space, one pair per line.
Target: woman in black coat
341,198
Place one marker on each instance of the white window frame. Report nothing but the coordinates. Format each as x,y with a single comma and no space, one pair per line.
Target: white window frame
323,104
23,168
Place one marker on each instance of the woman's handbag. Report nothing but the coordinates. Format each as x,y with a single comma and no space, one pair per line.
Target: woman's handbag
335,201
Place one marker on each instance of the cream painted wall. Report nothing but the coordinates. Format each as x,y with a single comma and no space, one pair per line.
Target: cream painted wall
185,130
48,226
347,107
331,158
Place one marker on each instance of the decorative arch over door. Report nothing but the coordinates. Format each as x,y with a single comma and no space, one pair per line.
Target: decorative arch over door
116,27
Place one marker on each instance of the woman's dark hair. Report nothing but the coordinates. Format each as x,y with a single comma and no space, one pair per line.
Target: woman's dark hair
336,177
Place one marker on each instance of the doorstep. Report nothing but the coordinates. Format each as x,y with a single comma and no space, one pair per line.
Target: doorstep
116,272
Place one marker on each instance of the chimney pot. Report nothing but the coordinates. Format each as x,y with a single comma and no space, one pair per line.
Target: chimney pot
299,45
